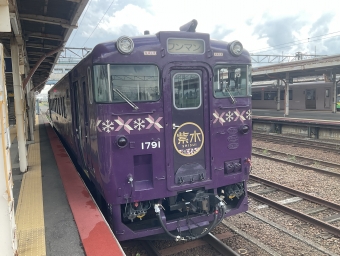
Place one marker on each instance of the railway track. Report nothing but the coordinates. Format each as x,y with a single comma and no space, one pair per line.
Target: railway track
324,205
327,146
299,161
214,241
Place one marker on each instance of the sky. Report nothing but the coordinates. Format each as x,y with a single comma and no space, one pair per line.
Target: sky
262,26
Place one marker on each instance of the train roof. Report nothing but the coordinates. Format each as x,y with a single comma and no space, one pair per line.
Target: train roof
158,40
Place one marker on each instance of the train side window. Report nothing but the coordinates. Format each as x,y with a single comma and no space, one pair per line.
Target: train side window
186,90
270,95
61,106
282,94
256,96
85,108
56,105
63,101
89,85
60,109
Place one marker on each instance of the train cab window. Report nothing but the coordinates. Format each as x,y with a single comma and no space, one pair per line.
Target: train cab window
186,90
232,81
137,83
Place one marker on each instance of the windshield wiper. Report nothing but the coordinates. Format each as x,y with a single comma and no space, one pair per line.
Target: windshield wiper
124,97
233,100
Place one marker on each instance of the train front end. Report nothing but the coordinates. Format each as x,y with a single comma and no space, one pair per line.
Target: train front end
173,133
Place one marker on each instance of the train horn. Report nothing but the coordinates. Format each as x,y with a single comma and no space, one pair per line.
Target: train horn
189,27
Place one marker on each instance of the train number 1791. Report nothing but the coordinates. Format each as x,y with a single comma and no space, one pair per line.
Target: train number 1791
154,144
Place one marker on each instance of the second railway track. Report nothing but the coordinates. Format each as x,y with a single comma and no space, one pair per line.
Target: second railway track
305,216
327,146
299,161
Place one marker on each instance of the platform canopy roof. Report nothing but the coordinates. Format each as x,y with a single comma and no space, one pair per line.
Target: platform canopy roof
40,27
301,68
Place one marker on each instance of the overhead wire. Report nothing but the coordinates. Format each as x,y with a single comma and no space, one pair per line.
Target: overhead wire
98,22
298,44
294,42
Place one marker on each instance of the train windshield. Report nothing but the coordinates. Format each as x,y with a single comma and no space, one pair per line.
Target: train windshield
232,81
138,83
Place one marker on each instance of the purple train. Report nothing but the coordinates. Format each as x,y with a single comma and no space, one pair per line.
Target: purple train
161,125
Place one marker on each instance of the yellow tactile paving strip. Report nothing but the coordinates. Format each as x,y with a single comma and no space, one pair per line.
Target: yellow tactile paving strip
30,214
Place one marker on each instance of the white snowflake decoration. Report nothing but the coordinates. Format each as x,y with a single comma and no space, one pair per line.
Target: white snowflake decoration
248,114
229,116
139,124
108,126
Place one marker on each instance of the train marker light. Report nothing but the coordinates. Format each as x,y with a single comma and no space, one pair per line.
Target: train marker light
122,142
244,129
125,45
236,48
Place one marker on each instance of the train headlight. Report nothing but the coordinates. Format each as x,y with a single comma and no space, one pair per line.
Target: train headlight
122,142
244,129
125,45
236,48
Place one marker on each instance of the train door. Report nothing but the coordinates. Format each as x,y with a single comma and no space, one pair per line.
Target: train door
327,100
77,126
186,134
83,120
310,99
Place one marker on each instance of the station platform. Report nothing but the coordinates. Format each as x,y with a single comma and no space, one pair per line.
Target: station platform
298,116
55,213
306,114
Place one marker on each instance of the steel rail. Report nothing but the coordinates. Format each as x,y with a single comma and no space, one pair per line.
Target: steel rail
332,229
298,165
298,193
150,248
214,241
219,245
332,165
302,139
297,141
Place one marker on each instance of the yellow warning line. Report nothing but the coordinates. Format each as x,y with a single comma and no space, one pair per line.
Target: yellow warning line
30,214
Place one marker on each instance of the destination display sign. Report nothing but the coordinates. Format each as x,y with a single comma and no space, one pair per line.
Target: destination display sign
185,46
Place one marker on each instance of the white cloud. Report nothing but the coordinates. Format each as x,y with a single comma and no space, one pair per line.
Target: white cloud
227,20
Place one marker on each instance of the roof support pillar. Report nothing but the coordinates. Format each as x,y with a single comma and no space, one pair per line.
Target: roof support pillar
31,111
19,106
334,92
8,236
278,96
287,95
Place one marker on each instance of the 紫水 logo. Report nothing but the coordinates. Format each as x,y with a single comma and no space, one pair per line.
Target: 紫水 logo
188,139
